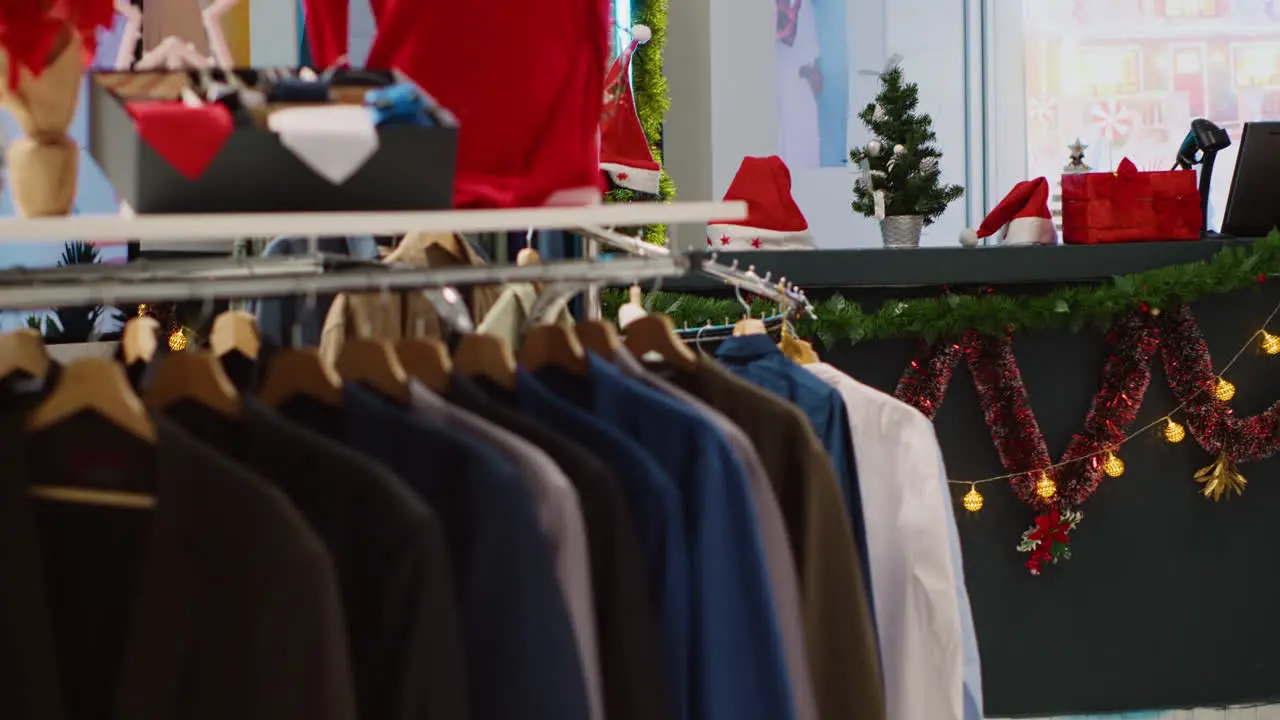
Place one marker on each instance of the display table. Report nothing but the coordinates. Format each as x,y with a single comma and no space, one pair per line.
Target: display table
1169,600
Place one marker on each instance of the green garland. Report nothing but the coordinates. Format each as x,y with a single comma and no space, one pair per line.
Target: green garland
653,99
1234,268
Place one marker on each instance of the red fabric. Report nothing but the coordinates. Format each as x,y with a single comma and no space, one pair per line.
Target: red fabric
1029,198
765,184
188,138
328,32
525,82
622,138
1130,206
28,32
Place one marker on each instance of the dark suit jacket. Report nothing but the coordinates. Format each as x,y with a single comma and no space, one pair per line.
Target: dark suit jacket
389,550
220,603
839,632
635,686
522,658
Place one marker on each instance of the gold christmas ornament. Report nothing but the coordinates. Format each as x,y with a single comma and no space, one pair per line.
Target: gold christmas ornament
142,309
973,499
1174,432
1270,343
1113,466
177,341
1046,488
1221,479
1225,390
1155,312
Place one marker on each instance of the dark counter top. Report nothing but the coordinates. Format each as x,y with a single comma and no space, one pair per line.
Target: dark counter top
825,269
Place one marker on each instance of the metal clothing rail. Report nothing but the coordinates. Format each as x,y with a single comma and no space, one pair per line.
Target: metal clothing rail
103,290
192,270
227,226
782,292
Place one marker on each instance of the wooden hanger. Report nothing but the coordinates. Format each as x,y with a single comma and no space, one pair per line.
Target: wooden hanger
373,363
599,337
485,356
23,351
300,372
427,360
656,334
139,341
552,346
800,352
749,326
98,385
235,331
194,375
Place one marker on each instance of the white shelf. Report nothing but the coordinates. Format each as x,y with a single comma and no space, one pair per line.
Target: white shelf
187,228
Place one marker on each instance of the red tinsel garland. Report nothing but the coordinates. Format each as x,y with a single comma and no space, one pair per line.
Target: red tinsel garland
1125,379
1211,421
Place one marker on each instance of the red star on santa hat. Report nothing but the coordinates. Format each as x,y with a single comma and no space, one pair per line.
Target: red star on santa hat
623,176
755,243
724,240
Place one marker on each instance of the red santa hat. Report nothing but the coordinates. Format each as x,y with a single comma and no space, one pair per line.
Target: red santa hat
625,155
774,221
1023,216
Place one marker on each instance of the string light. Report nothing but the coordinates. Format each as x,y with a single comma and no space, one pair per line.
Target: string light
1174,432
1270,343
973,499
142,309
1113,466
177,341
1046,488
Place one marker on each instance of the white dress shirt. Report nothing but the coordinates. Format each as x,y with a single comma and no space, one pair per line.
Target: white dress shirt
907,513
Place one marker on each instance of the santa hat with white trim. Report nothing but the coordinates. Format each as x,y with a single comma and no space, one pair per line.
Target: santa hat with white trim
1021,218
625,155
773,222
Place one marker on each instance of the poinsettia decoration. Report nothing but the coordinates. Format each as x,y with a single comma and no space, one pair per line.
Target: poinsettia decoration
30,30
1049,539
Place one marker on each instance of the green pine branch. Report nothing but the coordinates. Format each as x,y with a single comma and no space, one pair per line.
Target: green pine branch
1073,307
911,180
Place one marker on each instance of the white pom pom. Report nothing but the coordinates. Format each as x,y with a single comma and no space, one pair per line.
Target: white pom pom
899,149
969,237
641,33
873,148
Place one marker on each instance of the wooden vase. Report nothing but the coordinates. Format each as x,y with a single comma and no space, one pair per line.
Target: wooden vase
43,166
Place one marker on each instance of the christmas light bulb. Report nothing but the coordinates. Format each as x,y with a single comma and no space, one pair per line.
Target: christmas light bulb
1270,343
1113,465
1225,390
973,499
142,309
1046,488
1174,432
177,341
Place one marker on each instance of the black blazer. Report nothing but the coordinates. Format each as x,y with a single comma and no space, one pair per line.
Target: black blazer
635,684
389,550
220,603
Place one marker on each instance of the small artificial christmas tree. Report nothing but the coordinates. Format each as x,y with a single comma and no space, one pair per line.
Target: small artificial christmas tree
901,164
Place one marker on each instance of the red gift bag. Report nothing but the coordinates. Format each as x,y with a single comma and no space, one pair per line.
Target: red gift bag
1130,206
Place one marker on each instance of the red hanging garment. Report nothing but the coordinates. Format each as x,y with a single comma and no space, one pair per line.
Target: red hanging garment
525,80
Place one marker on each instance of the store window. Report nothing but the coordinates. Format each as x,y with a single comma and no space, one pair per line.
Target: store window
1128,76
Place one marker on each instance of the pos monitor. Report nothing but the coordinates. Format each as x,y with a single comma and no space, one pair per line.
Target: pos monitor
1253,207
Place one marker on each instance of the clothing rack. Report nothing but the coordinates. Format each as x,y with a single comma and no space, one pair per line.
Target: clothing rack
250,281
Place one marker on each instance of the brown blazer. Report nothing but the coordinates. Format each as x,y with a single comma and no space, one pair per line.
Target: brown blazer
843,655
